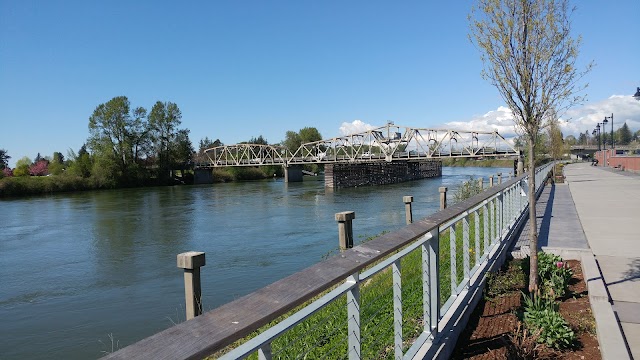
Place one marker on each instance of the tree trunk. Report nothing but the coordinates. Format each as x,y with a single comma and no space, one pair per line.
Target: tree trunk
533,224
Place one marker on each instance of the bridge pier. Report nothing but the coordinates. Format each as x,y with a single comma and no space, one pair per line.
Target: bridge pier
379,173
293,173
202,176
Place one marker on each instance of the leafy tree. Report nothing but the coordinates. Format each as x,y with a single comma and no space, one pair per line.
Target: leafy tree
529,56
37,159
309,134
164,119
636,136
4,159
556,145
22,167
570,140
624,135
57,157
40,168
114,132
182,150
292,141
203,145
6,172
79,164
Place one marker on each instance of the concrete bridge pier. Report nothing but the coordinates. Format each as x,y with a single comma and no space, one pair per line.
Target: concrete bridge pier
293,173
202,176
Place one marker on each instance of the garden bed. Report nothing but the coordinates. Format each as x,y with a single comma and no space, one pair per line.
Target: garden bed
495,330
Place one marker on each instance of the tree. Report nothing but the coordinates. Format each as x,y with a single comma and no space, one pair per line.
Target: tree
164,119
22,167
529,55
182,151
309,134
556,145
114,132
203,145
260,140
40,168
4,159
624,135
583,139
570,140
292,141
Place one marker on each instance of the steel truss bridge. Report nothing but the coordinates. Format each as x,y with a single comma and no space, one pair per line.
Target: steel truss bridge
387,143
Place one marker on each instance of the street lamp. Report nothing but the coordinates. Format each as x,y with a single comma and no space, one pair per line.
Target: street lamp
604,131
596,132
605,120
637,95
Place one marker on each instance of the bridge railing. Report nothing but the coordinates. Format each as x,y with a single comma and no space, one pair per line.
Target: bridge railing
399,293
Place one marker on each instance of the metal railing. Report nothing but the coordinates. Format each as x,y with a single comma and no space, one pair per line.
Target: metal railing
389,297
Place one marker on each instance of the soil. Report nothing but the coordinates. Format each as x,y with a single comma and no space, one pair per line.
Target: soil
489,333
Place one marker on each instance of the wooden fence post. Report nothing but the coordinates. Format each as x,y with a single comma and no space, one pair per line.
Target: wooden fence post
191,262
499,178
345,229
443,197
407,208
491,181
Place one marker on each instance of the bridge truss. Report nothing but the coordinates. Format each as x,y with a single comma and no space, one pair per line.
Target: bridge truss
387,143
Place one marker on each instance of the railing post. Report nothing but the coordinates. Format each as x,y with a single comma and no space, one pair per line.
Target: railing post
191,262
466,263
345,229
453,262
407,208
353,317
443,197
491,181
431,281
397,308
499,178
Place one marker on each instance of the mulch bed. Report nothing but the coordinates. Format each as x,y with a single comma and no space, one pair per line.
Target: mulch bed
487,335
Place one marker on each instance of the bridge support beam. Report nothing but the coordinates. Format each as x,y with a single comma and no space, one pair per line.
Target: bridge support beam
379,173
293,173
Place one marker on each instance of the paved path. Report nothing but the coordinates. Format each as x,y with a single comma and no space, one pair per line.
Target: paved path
608,205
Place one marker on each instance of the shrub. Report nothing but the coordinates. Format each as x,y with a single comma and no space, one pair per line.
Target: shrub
466,190
554,274
541,315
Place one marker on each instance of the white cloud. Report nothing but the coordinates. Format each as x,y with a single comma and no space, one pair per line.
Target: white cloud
575,121
500,120
356,126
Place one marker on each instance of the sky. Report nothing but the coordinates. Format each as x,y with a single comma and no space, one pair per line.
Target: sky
240,69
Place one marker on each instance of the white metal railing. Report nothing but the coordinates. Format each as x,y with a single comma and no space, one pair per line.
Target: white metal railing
498,214
423,275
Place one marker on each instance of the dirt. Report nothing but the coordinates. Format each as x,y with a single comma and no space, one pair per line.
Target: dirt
489,333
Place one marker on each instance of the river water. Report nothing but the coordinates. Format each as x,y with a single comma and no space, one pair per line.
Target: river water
84,273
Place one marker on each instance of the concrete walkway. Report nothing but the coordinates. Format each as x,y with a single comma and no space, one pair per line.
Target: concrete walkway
608,204
597,211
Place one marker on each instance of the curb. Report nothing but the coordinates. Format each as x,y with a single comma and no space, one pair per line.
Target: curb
612,344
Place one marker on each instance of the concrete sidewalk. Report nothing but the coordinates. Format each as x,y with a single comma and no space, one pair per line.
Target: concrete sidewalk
608,206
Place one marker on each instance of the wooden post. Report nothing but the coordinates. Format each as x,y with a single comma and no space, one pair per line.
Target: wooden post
520,166
443,197
407,208
491,181
499,178
191,262
481,183
345,229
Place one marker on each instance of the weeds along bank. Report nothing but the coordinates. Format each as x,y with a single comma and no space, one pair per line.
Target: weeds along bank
455,162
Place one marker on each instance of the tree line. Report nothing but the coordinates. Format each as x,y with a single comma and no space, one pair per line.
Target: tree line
131,146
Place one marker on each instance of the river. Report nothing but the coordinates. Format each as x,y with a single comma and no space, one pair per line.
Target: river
84,273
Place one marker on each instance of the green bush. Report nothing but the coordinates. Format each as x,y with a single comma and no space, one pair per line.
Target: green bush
467,189
554,274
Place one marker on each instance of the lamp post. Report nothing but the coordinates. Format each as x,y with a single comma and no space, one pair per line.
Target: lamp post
597,130
595,134
605,120
603,131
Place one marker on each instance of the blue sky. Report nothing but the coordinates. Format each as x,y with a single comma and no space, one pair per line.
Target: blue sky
239,69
